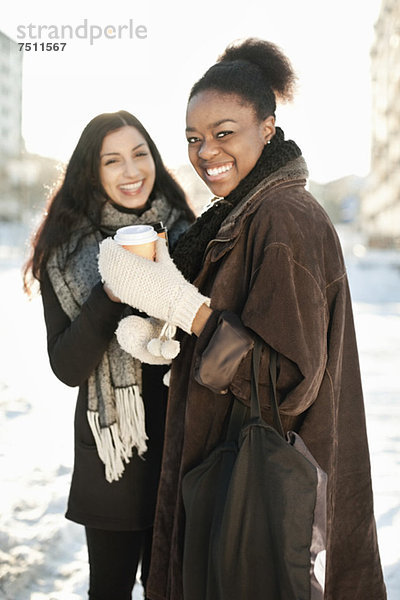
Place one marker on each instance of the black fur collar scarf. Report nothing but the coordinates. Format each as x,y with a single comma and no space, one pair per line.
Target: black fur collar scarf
189,252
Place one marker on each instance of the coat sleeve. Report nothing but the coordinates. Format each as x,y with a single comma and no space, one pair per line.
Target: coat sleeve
75,348
222,346
288,310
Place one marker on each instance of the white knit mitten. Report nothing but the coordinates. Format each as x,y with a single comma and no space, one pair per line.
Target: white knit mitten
148,340
156,288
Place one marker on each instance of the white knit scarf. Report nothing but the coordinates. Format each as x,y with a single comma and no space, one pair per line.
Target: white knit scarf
115,407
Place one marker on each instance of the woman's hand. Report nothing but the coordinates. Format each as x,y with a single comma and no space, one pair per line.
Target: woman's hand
201,318
135,334
156,288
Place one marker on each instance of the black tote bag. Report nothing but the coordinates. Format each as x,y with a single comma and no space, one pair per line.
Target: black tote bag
255,512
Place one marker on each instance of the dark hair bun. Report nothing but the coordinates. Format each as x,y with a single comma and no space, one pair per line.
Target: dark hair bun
270,59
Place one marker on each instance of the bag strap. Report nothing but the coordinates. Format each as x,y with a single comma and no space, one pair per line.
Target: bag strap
255,409
239,412
255,401
272,374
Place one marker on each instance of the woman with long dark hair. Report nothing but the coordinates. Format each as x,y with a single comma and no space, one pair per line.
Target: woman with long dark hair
115,177
264,260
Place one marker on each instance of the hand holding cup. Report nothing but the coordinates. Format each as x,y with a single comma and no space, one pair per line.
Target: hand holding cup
157,287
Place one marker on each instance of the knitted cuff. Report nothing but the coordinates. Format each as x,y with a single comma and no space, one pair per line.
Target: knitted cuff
187,307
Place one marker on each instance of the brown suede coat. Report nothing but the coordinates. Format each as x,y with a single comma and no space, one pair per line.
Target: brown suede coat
277,263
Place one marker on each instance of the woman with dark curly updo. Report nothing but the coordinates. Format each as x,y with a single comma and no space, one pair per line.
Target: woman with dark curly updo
263,261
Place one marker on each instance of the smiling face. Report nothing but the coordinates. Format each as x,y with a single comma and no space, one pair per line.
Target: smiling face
127,169
225,138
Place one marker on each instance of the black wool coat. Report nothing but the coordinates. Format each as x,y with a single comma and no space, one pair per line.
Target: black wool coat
74,350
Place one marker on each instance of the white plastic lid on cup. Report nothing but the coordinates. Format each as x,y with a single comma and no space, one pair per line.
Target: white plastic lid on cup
135,235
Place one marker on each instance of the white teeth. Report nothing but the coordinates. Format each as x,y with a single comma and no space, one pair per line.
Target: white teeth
219,170
131,187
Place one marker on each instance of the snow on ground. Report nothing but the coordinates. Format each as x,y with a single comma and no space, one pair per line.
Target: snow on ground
375,285
42,555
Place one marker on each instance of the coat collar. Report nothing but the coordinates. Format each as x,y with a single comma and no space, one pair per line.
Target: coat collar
295,172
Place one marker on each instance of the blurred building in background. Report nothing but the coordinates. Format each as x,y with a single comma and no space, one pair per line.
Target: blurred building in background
380,209
11,143
10,97
341,198
22,175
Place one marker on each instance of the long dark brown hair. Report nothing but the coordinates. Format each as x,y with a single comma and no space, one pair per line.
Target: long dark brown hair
76,204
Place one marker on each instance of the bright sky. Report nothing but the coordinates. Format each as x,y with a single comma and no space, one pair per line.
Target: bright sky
328,43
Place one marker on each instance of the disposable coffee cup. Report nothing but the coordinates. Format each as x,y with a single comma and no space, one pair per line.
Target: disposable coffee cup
139,239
